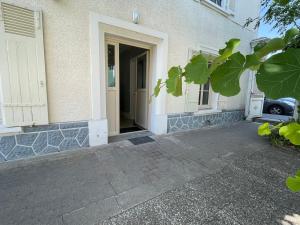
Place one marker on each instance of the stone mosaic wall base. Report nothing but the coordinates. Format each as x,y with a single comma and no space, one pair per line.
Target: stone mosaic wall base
188,121
44,139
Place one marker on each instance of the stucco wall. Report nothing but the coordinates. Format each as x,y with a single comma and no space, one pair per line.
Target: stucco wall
66,33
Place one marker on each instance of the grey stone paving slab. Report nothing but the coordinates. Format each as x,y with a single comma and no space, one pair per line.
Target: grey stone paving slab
49,149
69,144
71,133
2,159
92,213
41,128
83,133
73,125
7,144
186,178
20,152
40,143
137,195
55,137
26,139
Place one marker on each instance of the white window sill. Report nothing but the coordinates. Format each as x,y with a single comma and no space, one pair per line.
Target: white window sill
5,131
217,8
207,111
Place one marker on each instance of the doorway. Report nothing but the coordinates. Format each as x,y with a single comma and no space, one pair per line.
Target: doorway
127,87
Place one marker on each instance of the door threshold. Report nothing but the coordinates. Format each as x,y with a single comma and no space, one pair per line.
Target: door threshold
126,136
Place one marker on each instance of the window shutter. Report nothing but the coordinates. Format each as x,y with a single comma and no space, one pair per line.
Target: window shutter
22,68
192,90
231,6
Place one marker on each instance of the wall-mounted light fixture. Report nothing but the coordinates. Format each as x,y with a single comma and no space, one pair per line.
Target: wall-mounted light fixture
135,16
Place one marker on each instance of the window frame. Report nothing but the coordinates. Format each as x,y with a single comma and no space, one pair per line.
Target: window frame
221,5
209,57
200,98
223,9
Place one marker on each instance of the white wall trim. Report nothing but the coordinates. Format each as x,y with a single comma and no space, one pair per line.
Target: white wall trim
5,131
98,83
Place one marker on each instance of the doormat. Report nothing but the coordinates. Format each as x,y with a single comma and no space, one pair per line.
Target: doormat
129,129
141,140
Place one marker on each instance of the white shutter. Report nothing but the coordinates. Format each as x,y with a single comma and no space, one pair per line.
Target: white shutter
22,67
192,90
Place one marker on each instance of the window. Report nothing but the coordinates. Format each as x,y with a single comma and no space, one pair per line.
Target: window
218,2
111,81
205,94
225,7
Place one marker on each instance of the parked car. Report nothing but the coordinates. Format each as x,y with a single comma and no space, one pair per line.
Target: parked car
282,106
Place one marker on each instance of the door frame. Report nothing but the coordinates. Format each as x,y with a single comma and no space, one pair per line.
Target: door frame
115,40
99,27
116,89
148,65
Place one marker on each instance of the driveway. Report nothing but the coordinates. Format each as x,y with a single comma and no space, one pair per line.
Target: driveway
208,176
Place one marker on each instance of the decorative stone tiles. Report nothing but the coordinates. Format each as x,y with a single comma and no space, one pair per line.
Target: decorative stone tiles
45,139
188,121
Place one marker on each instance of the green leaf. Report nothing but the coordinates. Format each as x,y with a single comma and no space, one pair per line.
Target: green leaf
291,132
290,35
252,62
259,46
230,46
226,78
293,183
279,76
196,70
157,87
264,129
282,2
273,45
174,81
225,53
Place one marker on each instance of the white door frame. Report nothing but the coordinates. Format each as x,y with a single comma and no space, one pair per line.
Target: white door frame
100,26
148,61
116,89
116,41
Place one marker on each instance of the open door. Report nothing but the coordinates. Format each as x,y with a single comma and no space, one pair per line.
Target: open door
112,82
141,103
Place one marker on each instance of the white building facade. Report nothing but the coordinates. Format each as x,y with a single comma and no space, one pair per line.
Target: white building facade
55,91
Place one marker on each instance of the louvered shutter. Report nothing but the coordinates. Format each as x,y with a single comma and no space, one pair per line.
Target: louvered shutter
22,67
192,91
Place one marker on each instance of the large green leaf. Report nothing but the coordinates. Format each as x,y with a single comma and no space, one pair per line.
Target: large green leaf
273,45
291,132
226,78
225,53
290,35
196,71
174,81
157,87
293,183
252,62
279,76
264,129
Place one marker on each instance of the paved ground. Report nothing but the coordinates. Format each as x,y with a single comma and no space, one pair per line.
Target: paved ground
210,176
273,118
